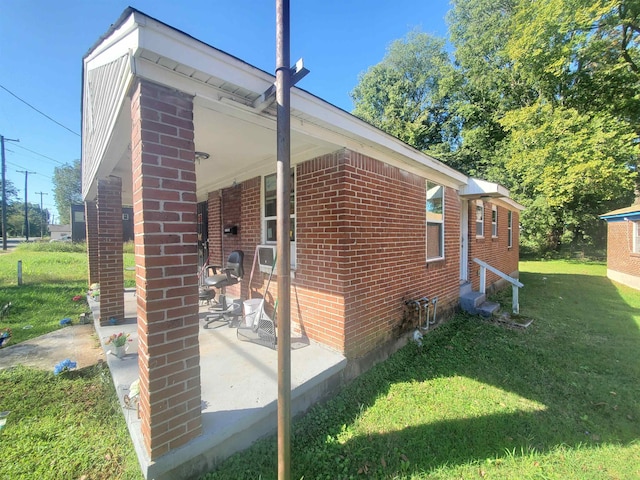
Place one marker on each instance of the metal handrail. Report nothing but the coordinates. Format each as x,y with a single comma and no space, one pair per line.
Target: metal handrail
515,284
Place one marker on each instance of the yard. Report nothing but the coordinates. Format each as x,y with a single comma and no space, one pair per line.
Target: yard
477,400
480,400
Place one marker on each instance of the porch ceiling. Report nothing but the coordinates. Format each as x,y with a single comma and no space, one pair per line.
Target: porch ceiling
232,122
241,145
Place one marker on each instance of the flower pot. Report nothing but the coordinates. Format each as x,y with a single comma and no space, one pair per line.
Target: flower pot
120,351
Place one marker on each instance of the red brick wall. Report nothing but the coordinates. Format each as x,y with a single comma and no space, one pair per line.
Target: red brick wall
239,206
360,231
360,250
162,154
620,256
111,266
492,250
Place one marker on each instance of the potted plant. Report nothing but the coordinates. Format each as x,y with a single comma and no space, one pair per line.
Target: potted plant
119,341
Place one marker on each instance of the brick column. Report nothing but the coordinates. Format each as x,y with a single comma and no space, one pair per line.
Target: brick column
110,263
164,205
91,219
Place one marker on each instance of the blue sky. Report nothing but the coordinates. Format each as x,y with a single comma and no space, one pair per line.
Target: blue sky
42,44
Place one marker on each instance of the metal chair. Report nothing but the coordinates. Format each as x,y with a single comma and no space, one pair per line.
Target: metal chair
231,274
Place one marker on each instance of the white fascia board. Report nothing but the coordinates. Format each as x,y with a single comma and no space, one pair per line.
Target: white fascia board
172,44
483,188
124,39
363,133
508,203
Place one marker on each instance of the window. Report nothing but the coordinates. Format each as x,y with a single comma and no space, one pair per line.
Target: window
435,221
494,221
636,236
270,211
479,218
509,229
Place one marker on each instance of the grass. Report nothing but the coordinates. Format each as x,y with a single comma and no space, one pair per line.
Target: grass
65,426
52,275
480,400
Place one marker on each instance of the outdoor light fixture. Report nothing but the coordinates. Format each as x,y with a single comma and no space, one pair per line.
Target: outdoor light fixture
201,156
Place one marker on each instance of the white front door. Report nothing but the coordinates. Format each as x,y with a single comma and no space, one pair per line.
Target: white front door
464,241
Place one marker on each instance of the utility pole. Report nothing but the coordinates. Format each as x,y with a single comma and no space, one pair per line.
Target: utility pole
4,193
26,204
283,222
42,217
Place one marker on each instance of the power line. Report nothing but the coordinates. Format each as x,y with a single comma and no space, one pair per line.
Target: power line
42,155
22,166
40,112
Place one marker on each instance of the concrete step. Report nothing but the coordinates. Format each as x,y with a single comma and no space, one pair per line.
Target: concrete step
465,288
470,301
487,309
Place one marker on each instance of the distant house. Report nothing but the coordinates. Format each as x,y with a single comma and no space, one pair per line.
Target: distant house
187,135
58,232
623,245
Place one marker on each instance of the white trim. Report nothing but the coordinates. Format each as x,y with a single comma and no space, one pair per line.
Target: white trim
479,203
263,217
494,221
635,232
464,240
509,229
627,279
434,221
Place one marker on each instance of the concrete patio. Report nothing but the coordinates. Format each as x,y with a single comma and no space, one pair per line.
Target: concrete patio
238,387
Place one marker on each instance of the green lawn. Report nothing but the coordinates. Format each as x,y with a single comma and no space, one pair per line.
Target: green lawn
52,275
480,400
558,400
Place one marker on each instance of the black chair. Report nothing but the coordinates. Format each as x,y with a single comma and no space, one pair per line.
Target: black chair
231,274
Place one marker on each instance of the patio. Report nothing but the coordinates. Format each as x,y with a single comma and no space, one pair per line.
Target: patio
238,388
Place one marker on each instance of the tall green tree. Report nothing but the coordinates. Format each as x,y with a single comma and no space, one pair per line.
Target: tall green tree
543,96
567,168
479,32
405,94
67,189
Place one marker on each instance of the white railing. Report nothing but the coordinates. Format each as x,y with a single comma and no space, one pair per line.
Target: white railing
515,284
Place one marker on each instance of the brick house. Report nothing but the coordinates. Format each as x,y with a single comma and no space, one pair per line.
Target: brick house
362,241
623,245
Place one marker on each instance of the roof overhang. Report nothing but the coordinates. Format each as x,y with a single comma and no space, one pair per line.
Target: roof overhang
631,213
232,122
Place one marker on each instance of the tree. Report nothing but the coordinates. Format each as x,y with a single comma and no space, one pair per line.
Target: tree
542,97
583,54
12,194
67,189
404,93
567,168
489,86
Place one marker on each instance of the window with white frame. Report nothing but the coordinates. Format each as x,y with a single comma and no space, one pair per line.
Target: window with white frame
494,221
270,212
435,221
479,218
509,229
636,236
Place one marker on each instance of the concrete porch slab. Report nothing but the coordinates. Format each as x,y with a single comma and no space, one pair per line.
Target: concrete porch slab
238,388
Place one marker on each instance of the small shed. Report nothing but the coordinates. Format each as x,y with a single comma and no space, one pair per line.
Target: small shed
623,245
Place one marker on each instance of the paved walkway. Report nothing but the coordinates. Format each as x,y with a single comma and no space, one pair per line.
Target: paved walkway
78,343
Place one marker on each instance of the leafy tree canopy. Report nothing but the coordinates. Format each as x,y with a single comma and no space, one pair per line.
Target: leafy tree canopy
67,189
542,96
404,94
